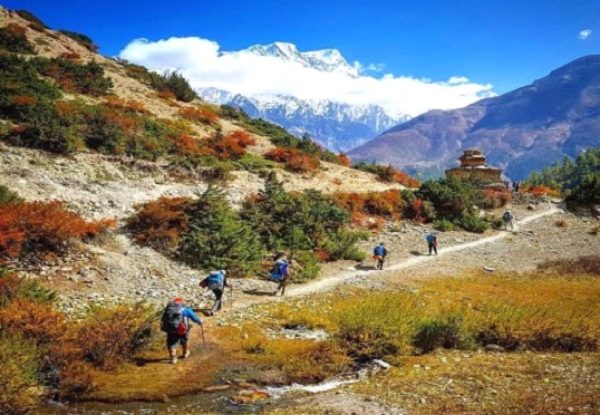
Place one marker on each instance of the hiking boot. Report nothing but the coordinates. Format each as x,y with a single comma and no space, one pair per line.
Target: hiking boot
186,354
173,360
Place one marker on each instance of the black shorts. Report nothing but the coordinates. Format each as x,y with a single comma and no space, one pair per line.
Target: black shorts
173,339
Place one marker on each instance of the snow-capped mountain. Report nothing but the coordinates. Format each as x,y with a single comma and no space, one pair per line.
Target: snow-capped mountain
336,125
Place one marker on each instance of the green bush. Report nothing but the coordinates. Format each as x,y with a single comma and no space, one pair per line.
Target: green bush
473,223
217,238
341,244
254,163
451,198
578,179
8,196
82,39
309,266
19,388
443,225
439,332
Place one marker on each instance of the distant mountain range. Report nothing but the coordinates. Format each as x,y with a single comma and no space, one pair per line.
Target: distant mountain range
520,131
338,126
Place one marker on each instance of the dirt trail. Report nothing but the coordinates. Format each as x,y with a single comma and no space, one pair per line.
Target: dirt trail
324,284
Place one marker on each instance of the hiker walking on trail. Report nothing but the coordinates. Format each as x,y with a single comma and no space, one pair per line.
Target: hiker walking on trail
379,254
280,272
175,322
507,219
432,242
216,282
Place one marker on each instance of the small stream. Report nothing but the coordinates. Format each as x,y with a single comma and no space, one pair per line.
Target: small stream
219,402
222,402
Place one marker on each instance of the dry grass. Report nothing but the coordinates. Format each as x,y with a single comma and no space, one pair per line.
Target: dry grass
491,384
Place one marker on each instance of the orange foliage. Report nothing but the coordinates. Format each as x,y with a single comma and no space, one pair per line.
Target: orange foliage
293,159
496,198
541,190
199,114
160,223
25,100
166,94
386,204
406,180
113,101
42,227
344,160
186,145
232,146
34,321
15,30
70,56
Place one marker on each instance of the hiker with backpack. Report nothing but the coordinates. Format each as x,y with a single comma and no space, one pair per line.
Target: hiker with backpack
280,272
216,282
379,254
175,322
507,219
432,242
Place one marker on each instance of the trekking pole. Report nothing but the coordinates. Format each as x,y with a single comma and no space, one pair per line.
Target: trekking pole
202,330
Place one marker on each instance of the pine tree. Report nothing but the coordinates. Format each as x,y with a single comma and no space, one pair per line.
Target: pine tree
217,238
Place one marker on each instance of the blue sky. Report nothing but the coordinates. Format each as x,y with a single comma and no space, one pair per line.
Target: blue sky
506,43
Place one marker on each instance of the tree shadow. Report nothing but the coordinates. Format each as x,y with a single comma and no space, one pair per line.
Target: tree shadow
416,253
365,267
258,292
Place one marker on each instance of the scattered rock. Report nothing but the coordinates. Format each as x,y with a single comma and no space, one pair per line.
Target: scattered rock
494,348
216,388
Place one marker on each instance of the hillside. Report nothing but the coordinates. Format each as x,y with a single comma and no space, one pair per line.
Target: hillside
520,131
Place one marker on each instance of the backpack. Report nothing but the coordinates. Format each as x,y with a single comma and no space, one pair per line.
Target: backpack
173,320
277,272
215,281
379,250
507,216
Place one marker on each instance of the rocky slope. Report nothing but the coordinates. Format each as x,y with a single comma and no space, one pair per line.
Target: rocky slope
520,131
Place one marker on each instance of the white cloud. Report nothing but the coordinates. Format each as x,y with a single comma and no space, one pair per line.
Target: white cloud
584,34
202,62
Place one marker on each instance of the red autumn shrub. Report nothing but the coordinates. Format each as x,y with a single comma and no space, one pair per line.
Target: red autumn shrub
36,322
39,228
344,160
243,138
541,190
23,100
186,145
70,56
199,114
160,223
166,94
495,198
406,180
293,159
113,101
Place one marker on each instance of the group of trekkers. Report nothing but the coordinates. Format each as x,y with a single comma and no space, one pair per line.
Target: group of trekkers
177,316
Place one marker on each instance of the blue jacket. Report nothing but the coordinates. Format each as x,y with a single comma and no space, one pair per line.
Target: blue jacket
189,314
431,238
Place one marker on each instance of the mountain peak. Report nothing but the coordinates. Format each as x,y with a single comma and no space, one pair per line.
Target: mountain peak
325,60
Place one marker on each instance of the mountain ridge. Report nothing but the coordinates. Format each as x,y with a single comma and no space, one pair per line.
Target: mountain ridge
523,130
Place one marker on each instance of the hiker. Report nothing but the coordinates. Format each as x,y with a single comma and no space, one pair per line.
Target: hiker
516,187
216,282
280,272
432,242
379,255
507,219
175,322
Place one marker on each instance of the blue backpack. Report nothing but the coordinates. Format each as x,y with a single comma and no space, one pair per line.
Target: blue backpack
379,250
215,280
279,271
